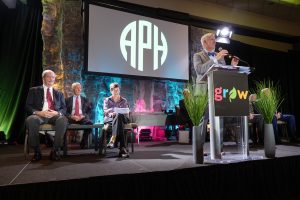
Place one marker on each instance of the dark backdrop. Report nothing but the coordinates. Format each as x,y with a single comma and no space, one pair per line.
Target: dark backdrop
20,62
21,65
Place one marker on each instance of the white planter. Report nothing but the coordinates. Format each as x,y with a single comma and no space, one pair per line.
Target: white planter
269,141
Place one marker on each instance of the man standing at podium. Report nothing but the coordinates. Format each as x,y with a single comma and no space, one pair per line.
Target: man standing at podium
204,59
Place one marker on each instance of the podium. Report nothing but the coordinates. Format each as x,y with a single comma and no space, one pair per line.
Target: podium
227,97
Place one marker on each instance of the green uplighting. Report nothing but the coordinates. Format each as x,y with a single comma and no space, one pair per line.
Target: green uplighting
294,2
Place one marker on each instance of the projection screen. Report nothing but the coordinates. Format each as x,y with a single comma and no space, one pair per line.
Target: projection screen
121,43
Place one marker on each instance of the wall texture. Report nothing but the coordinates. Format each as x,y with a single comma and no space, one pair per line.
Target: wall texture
62,32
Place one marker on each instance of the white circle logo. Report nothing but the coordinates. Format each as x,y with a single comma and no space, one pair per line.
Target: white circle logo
139,36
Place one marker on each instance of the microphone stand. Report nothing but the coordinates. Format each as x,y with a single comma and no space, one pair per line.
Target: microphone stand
232,56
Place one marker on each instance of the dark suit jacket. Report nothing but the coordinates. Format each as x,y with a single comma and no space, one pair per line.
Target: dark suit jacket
183,113
35,100
85,106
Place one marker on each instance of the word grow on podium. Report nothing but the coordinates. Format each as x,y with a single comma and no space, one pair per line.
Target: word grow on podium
224,93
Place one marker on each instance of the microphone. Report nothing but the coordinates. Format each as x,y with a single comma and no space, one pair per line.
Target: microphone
243,61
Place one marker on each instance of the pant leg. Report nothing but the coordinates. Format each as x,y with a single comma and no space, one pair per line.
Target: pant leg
33,123
290,120
259,120
61,123
86,132
275,127
118,128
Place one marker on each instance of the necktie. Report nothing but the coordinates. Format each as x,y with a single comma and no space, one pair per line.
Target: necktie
211,53
76,107
49,100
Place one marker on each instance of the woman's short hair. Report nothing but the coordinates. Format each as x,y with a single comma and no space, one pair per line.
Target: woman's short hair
113,86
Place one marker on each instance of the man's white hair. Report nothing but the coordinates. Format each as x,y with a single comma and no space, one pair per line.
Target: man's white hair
46,72
74,85
205,36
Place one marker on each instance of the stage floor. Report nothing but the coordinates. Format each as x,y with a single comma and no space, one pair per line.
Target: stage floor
148,157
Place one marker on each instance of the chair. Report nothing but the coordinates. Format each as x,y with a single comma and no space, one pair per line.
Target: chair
128,128
44,129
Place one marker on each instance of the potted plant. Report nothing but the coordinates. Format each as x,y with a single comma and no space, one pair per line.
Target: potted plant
268,101
196,103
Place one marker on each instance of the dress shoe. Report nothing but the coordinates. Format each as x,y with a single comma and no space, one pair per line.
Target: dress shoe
278,142
123,153
54,155
36,157
294,140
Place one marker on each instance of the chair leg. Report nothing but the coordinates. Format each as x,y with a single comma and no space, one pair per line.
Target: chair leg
138,135
132,139
65,145
26,146
126,139
102,142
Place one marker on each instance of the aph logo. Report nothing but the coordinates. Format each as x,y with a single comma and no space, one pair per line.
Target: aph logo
223,93
138,36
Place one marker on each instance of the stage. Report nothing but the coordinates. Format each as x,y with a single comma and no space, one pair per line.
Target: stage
163,169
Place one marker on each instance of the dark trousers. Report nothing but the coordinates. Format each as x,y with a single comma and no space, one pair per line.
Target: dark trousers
86,132
117,126
258,125
291,122
33,123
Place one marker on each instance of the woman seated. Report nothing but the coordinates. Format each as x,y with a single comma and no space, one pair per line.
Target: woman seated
116,120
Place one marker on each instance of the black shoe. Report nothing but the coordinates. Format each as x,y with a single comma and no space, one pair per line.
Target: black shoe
293,140
54,155
36,157
123,153
278,141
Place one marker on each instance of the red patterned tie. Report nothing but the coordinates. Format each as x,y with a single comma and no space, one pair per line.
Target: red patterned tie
49,100
76,106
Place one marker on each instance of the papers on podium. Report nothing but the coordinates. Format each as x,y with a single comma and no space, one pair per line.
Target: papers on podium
238,69
121,110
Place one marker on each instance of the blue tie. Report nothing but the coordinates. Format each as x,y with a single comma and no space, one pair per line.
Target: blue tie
211,53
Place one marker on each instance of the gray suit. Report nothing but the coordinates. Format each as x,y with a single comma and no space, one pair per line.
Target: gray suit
202,63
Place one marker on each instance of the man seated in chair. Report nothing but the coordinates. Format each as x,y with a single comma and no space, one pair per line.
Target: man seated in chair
44,104
78,111
114,119
257,120
291,123
288,118
183,114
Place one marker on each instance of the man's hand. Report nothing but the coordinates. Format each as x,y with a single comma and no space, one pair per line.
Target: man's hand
113,114
46,113
251,116
234,61
278,115
221,54
77,118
